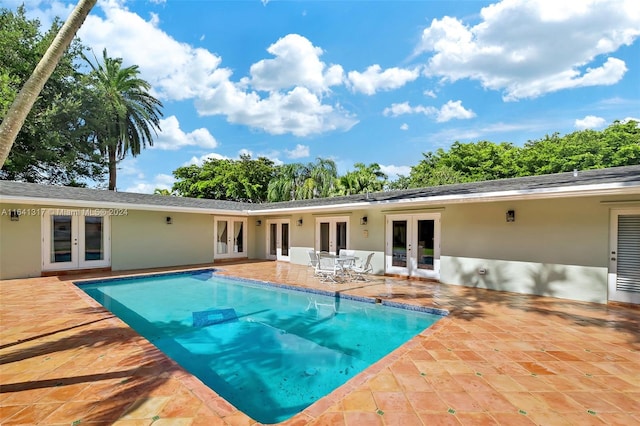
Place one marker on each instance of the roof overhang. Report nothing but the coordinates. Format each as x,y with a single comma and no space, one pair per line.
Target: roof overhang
58,202
608,189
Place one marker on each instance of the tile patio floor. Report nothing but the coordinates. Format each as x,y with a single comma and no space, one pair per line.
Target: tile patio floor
499,358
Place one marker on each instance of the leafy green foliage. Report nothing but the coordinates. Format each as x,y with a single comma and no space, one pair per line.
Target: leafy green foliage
53,145
363,179
222,179
299,181
617,145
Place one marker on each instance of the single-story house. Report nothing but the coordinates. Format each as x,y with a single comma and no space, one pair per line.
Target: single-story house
569,235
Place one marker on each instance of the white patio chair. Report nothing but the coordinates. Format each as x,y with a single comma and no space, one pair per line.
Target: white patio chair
360,272
328,269
313,261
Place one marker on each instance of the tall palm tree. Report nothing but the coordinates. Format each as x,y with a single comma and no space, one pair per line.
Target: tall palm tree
21,106
364,179
125,114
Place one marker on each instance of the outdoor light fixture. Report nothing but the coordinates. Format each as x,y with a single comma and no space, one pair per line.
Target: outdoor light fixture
258,222
363,221
168,220
511,215
300,222
15,215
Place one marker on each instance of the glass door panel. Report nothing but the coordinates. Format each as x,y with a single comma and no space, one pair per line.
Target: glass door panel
273,240
285,239
238,237
425,250
93,238
341,236
324,237
63,239
399,243
221,234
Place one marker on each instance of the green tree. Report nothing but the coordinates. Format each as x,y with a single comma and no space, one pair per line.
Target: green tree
53,143
617,145
223,179
124,115
23,102
364,179
299,181
162,191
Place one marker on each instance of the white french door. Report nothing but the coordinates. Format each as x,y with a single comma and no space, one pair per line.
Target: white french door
332,234
231,237
278,239
624,256
412,245
75,239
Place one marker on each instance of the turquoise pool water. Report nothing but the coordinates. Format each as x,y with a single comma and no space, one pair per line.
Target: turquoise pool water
269,350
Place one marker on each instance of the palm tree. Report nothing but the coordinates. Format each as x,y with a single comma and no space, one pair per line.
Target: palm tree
364,179
21,106
299,181
324,173
125,114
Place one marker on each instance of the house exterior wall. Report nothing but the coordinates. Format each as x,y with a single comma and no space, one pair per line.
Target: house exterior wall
142,239
554,248
20,250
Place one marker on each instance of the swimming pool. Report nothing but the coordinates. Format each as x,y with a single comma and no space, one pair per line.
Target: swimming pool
270,350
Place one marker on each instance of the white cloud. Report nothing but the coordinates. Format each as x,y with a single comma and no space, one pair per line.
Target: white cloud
449,111
526,48
394,171
161,181
589,122
295,79
176,70
171,137
199,161
404,126
453,110
300,151
374,79
430,93
299,111
296,63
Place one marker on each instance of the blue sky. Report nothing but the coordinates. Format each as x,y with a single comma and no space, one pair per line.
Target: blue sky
363,81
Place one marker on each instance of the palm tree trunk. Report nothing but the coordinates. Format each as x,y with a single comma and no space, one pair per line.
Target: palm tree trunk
27,96
111,152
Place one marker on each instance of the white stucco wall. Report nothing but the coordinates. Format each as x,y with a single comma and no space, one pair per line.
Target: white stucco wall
555,247
142,239
20,249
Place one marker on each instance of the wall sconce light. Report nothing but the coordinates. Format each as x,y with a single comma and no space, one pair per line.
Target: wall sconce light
363,220
168,220
511,215
258,222
300,222
15,215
